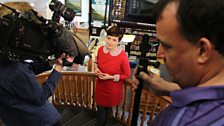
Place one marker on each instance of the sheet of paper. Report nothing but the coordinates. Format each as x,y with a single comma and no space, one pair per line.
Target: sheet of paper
128,38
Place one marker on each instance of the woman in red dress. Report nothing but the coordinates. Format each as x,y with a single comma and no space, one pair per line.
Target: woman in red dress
112,68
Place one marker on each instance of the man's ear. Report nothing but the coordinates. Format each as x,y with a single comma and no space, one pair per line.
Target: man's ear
204,50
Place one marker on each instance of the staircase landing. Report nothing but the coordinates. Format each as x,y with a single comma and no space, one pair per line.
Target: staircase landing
76,116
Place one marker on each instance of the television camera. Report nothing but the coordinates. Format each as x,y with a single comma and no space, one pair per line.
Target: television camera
27,35
60,9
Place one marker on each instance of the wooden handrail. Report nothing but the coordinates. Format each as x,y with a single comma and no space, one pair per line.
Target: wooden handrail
78,89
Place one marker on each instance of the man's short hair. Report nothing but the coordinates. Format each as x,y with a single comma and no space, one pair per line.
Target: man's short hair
198,18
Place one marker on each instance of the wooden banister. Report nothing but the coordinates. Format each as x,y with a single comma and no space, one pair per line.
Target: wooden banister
78,89
149,104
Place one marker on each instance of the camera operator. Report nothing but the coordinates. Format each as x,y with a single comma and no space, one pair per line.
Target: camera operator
24,102
191,44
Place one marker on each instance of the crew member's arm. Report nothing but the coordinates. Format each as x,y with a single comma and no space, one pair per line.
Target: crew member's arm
156,84
50,85
27,88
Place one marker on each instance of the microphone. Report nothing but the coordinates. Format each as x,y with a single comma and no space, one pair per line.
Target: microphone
72,45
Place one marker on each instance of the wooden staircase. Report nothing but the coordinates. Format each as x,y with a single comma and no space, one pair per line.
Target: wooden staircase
76,116
74,99
75,93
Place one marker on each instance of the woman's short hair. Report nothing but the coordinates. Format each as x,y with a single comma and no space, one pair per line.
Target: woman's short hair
115,31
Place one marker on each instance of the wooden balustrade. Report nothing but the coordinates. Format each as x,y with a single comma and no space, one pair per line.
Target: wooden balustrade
78,89
74,88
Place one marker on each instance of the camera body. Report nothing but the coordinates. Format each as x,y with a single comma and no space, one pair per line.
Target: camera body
22,38
27,35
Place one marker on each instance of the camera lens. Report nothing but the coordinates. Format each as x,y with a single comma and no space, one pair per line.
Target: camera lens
67,13
55,5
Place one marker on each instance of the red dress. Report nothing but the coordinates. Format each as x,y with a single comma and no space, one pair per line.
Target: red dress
109,93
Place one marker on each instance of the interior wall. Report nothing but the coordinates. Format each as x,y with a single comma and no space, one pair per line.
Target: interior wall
41,7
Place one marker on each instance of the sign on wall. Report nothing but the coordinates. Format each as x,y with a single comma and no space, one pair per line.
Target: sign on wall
98,11
76,5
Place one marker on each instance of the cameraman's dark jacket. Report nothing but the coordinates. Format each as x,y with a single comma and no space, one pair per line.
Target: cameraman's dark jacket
23,101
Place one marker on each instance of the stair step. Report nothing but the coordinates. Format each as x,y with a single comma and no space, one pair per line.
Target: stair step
77,116
113,122
91,123
118,124
67,112
80,119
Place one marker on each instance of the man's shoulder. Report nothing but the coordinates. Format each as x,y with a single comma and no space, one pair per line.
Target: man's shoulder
204,112
15,71
199,113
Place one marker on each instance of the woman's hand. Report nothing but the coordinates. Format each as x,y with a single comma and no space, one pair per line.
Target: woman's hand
97,71
105,76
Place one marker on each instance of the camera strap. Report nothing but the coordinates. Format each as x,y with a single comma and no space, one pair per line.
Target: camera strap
81,47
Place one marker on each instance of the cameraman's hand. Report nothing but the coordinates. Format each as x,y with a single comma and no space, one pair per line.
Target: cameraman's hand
156,84
59,62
